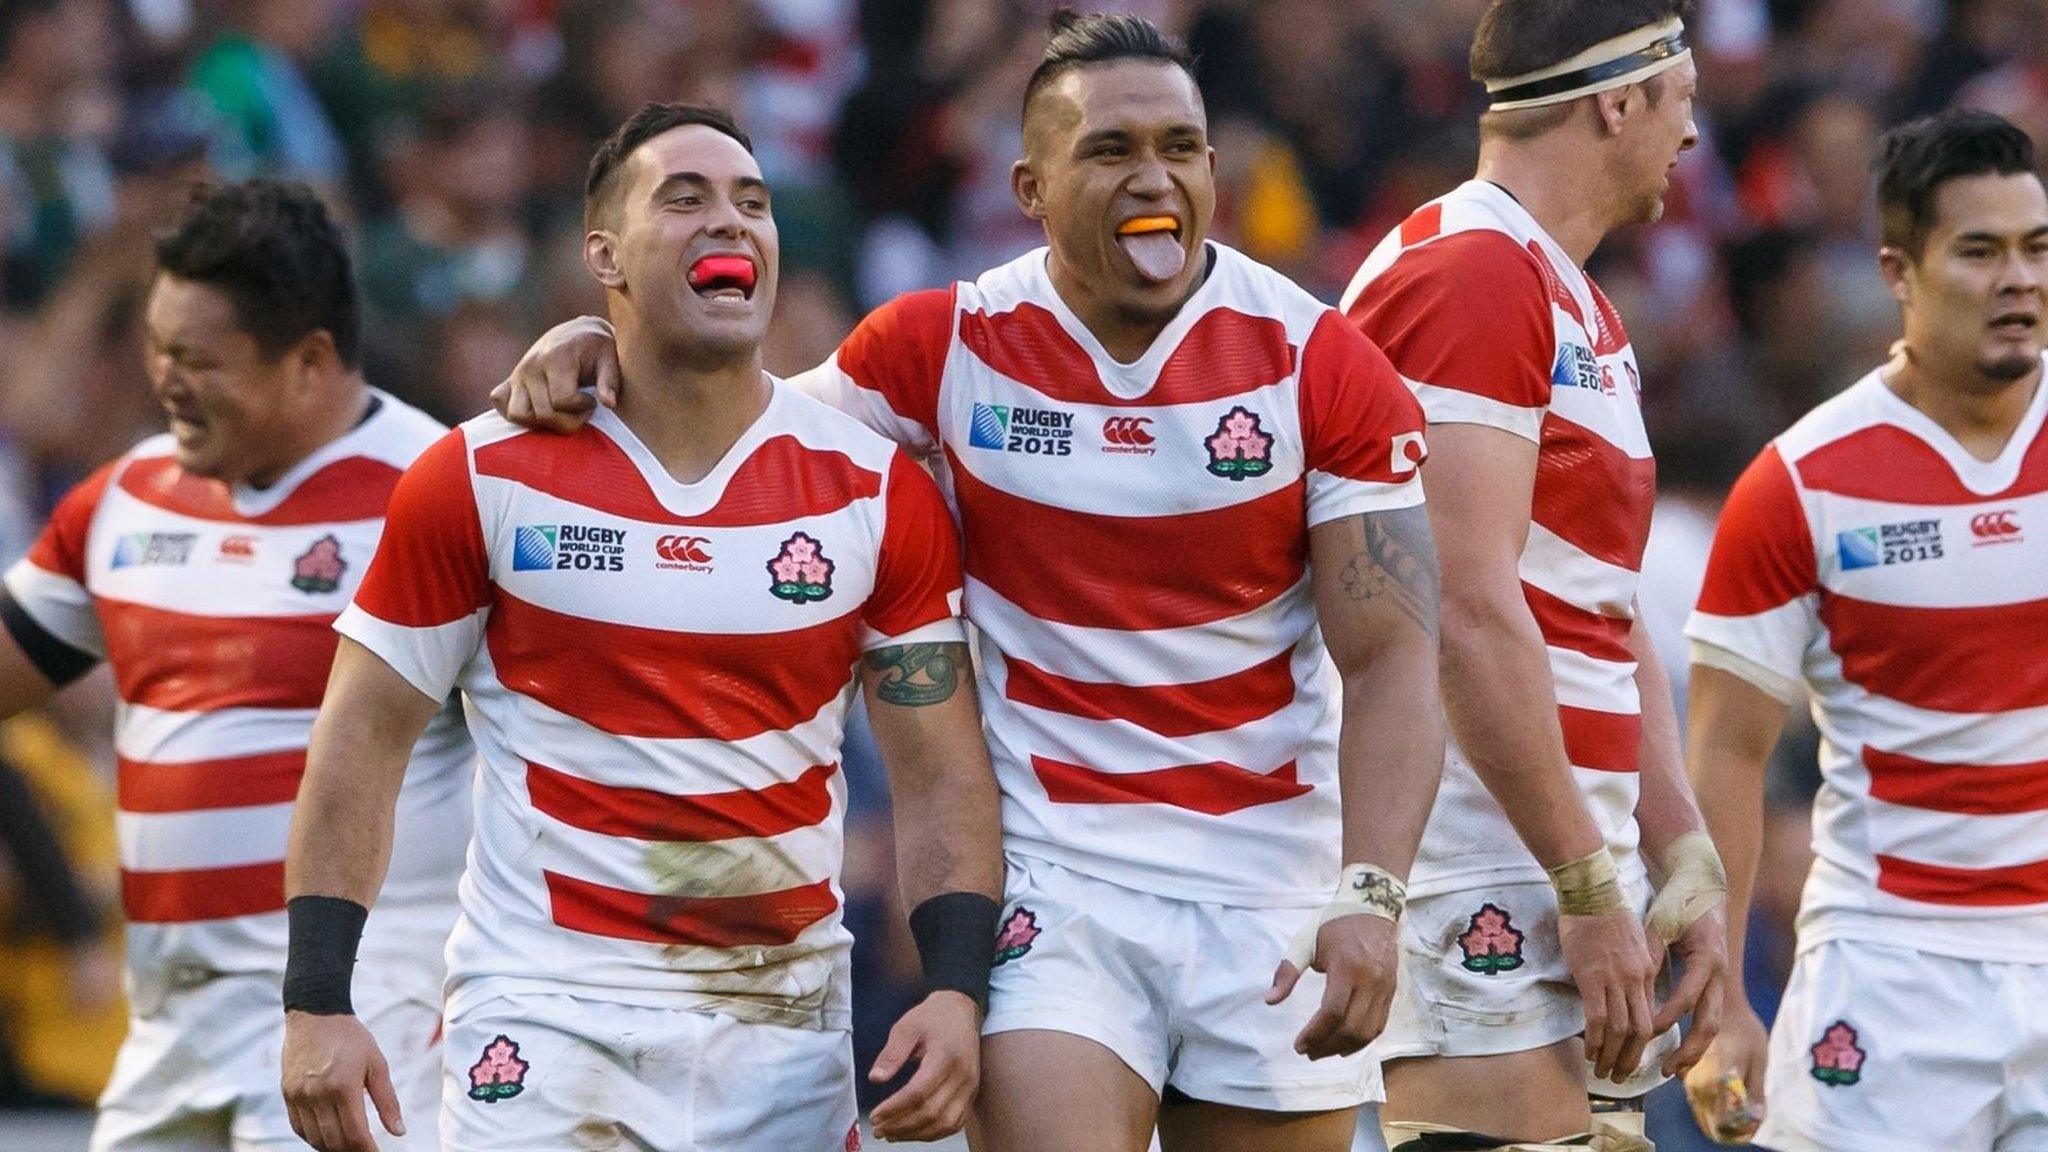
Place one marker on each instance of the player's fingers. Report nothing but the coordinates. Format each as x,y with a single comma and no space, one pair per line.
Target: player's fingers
385,1096
1684,998
608,377
1706,1024
907,1108
1615,1003
1367,1016
1284,979
904,1040
1639,1034
1595,1001
1318,1038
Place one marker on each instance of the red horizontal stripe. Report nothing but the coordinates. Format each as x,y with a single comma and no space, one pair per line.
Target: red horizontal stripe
355,488
1763,549
1592,494
632,681
647,815
1566,625
203,893
1889,464
1602,741
1947,659
708,921
1967,789
1213,789
196,786
184,663
1226,353
1167,709
1077,567
1972,887
899,351
780,480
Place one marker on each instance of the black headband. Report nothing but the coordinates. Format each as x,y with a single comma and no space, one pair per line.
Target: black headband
1663,49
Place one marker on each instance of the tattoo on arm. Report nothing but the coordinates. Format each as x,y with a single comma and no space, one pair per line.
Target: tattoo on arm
914,675
1397,558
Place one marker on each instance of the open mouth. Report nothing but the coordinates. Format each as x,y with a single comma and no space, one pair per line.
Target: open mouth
1153,244
723,278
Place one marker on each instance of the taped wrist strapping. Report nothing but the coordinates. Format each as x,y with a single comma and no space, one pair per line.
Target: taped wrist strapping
1588,886
320,962
1693,882
956,942
1364,889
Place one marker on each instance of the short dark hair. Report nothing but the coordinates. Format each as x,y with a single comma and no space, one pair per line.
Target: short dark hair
1914,160
272,248
650,121
1101,38
1516,37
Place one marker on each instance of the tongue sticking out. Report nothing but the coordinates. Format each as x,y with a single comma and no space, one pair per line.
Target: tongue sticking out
1151,244
723,271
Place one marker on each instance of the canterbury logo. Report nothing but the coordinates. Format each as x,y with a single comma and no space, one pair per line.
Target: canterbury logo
1994,525
1127,430
683,549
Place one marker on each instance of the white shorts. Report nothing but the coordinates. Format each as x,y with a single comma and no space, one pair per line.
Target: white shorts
200,1072
1886,1049
1482,975
1176,989
545,1072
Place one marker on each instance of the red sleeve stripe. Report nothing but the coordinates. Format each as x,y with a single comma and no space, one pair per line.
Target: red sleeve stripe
183,663
1213,789
918,574
1569,626
1762,556
1601,741
771,918
1469,312
1593,495
203,893
203,785
899,352
1226,353
629,681
647,815
1945,659
780,480
1964,887
62,545
1913,472
1964,789
350,489
1075,567
1172,710
1354,407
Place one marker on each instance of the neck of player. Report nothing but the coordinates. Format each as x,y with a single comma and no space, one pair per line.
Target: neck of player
688,405
1122,323
1980,412
330,422
1549,181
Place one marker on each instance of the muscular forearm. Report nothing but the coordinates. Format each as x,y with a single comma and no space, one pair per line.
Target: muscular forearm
921,706
1731,730
1501,705
1390,753
1666,808
341,826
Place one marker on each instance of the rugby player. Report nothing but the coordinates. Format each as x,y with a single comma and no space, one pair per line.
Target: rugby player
1564,792
205,567
655,624
1206,596
1885,562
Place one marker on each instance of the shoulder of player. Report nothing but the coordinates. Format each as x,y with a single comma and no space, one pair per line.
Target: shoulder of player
819,426
1487,262
1835,419
922,316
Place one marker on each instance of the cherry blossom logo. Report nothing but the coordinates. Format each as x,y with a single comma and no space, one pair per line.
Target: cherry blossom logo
1239,450
800,573
500,1075
1017,933
1837,1061
320,567
1492,945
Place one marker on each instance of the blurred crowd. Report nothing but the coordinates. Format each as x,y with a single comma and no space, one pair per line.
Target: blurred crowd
453,136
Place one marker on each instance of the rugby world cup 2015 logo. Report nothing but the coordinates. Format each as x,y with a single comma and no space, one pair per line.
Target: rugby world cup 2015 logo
533,547
989,427
800,573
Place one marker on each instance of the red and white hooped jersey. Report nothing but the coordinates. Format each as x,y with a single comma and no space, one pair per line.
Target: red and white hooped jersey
214,607
1869,563
1160,707
657,675
1491,323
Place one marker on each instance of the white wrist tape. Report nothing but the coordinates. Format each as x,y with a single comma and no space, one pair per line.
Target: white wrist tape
1364,890
1694,882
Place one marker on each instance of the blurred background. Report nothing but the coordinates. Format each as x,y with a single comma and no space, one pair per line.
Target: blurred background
453,135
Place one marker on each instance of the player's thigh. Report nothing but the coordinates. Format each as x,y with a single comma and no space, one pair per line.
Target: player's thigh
407,1028
1199,1126
538,1073
1869,1038
1539,1094
765,1086
1049,1091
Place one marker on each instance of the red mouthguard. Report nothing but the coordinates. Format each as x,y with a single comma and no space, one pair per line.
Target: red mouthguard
735,268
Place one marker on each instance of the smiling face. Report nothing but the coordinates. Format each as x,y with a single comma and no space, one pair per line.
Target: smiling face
1974,294
691,250
1118,167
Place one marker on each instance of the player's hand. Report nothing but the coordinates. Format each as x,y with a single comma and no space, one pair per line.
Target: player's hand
329,1062
1611,962
1359,956
1703,954
545,389
943,1035
1736,1058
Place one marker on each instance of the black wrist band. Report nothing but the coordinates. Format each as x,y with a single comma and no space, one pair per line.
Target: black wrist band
320,963
956,941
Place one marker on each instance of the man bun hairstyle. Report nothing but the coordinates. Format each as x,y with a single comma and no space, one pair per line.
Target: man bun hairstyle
1079,40
600,185
1915,159
272,248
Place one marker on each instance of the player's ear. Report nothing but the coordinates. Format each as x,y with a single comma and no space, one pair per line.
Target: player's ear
601,256
1894,265
1028,189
